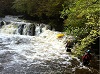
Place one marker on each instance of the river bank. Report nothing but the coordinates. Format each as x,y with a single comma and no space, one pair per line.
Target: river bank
42,53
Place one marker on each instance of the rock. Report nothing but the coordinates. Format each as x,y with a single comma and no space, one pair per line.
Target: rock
2,23
0,40
1,67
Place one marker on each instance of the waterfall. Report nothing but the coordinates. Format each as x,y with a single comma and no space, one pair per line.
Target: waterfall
23,53
38,29
20,27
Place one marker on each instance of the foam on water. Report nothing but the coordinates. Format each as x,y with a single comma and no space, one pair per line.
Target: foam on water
33,49
41,47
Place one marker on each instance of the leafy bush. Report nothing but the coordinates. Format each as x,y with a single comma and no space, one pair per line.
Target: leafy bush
40,8
83,19
77,32
86,42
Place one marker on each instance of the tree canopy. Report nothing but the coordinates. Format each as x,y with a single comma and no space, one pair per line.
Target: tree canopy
5,6
81,17
49,8
83,21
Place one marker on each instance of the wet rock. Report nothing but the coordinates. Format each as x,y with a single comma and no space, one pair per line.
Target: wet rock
20,29
85,71
1,67
17,42
2,23
1,40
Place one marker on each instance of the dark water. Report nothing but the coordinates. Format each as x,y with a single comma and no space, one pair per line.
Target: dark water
9,65
43,68
14,63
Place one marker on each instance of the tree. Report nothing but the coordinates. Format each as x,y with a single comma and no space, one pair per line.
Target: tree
39,8
5,6
83,18
46,10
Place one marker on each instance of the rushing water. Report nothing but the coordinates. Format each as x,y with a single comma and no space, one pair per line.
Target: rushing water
43,53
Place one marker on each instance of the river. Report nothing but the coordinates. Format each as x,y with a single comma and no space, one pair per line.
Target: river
41,52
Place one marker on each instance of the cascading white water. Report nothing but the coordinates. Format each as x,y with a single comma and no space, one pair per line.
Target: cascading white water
16,26
20,27
26,54
38,29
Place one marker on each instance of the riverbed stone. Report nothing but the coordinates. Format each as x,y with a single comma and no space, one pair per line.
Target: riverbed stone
1,67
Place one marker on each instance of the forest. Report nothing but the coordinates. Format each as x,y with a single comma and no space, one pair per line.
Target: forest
79,18
49,36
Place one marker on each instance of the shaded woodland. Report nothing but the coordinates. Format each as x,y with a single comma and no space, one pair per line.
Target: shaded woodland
79,18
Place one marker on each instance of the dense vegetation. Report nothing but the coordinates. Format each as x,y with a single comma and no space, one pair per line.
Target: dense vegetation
83,22
39,8
5,7
79,18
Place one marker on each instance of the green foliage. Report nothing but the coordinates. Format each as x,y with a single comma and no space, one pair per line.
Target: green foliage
77,32
83,18
20,5
1,14
39,7
5,6
78,12
46,11
86,42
